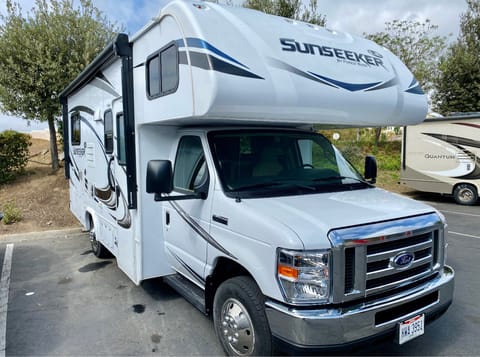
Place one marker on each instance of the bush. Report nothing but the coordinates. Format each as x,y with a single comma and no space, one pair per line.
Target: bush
11,213
13,154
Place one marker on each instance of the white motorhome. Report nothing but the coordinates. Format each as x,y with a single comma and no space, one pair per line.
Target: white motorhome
443,155
190,156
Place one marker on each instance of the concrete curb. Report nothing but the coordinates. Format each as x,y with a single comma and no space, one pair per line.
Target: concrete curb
60,233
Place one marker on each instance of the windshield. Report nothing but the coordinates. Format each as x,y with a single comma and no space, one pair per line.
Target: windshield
260,163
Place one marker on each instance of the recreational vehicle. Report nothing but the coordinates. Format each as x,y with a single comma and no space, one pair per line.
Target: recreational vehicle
190,156
443,155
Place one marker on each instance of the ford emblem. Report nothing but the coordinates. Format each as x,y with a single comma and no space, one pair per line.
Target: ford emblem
403,260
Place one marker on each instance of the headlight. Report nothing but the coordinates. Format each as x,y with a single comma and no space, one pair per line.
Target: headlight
304,276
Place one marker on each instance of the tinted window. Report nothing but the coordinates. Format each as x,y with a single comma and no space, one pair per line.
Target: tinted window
153,69
162,72
76,129
190,170
108,131
121,156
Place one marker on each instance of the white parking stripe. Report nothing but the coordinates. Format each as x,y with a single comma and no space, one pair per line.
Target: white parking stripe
464,235
4,288
461,213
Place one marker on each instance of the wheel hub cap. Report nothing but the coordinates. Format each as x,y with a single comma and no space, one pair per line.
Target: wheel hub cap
237,327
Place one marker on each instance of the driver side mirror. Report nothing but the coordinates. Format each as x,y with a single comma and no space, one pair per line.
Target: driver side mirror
371,169
159,177
160,181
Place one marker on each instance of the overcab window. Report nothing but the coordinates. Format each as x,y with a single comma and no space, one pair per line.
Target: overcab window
162,72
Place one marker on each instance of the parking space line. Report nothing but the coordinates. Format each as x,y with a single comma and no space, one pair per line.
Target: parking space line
464,235
461,213
4,288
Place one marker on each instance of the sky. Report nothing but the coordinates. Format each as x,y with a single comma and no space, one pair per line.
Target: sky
354,16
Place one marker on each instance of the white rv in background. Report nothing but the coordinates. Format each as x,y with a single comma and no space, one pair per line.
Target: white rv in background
443,155
190,156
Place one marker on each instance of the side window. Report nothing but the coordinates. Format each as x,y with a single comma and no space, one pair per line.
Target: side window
76,129
190,169
162,72
108,131
121,153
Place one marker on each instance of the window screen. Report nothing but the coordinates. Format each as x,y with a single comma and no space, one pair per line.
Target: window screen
169,68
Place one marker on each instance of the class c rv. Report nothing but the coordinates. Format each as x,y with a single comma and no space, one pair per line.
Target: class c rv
191,156
442,155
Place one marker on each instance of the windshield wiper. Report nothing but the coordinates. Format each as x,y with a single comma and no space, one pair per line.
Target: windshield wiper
331,178
258,185
272,184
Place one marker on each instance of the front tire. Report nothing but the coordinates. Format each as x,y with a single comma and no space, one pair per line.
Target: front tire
239,318
465,194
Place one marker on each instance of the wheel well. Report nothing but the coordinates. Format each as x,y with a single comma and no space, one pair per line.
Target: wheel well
224,269
464,183
88,220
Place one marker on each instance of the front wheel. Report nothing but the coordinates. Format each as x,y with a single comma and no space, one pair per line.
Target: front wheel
240,320
465,194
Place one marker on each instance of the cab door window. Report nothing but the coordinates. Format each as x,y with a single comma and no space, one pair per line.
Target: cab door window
190,172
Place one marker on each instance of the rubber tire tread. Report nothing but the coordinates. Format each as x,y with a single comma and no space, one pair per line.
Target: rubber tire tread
244,289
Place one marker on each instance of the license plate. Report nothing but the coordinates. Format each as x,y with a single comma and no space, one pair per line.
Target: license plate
410,329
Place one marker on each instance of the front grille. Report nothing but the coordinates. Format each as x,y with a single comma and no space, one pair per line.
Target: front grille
367,260
381,270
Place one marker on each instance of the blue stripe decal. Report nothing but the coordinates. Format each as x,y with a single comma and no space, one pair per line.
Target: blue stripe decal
199,43
414,87
352,87
415,90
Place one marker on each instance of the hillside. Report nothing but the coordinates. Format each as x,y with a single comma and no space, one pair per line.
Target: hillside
41,196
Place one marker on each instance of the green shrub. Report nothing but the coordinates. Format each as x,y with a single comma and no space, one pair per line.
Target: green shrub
13,154
11,213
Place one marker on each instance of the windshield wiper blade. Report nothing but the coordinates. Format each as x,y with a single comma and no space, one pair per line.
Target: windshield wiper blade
274,183
258,185
331,178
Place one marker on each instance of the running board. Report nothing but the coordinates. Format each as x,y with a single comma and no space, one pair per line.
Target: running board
191,292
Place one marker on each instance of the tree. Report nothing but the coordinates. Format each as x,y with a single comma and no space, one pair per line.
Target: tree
458,84
293,9
42,52
414,44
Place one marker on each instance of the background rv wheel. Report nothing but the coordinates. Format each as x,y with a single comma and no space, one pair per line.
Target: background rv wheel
465,194
240,320
98,248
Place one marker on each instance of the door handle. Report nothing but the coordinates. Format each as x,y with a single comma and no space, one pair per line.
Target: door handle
167,218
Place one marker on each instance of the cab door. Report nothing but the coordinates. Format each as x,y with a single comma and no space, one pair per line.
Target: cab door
187,222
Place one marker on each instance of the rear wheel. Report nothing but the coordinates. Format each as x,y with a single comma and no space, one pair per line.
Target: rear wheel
240,320
98,248
465,194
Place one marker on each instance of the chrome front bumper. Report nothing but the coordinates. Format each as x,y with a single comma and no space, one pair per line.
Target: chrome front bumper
346,325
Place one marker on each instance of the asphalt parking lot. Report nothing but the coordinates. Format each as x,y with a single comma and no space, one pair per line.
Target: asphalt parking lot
62,300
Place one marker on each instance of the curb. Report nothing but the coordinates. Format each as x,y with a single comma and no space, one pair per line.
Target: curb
60,233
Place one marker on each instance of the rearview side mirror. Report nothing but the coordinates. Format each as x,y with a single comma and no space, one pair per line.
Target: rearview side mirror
371,169
159,177
160,181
